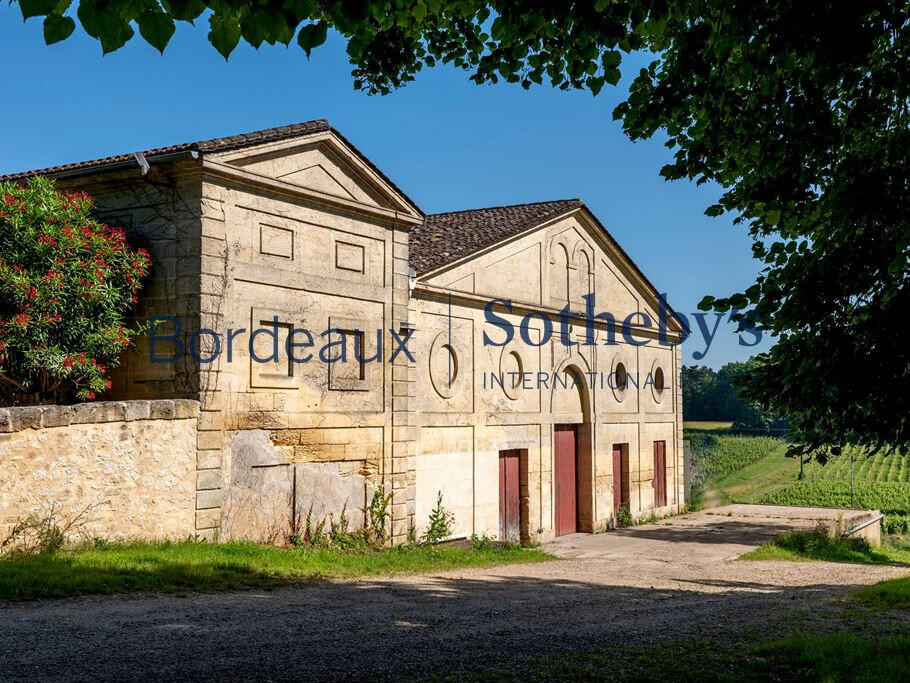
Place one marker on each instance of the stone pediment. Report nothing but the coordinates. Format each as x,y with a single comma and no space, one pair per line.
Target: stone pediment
323,163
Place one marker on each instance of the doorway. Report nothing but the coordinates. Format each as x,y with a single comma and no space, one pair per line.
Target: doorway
660,474
509,495
620,479
566,479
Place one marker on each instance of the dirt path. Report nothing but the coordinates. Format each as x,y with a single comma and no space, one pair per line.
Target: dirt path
646,583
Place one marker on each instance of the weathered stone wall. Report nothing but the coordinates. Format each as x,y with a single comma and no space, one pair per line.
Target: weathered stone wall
131,463
465,418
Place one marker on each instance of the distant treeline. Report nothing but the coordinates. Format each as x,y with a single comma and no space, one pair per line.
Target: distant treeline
710,395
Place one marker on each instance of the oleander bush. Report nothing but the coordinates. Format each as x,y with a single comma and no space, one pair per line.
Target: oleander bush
67,284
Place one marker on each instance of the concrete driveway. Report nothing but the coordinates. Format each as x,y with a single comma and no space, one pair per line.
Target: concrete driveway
647,583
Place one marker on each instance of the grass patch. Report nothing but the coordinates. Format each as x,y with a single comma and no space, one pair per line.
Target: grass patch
718,457
839,656
890,594
706,425
817,544
198,566
755,481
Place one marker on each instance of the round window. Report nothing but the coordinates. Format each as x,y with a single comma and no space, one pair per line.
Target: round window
620,377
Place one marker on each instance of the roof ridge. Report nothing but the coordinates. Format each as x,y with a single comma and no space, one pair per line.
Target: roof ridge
223,143
508,206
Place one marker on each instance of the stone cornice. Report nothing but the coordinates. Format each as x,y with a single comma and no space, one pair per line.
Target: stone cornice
249,180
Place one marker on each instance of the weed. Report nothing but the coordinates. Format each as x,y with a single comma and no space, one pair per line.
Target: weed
42,533
440,524
624,517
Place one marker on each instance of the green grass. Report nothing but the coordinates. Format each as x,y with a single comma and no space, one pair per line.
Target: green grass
892,498
717,456
755,481
817,544
890,594
707,425
743,469
839,656
196,566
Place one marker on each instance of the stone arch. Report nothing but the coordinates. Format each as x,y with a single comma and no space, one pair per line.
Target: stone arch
582,418
558,272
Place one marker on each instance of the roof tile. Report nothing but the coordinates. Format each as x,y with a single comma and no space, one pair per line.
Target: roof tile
447,237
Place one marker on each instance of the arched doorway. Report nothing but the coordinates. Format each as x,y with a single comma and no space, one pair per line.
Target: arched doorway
573,462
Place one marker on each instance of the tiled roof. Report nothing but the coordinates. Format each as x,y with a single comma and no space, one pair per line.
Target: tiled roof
447,237
444,238
224,144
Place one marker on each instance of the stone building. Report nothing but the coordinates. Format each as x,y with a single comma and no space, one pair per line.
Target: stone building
293,228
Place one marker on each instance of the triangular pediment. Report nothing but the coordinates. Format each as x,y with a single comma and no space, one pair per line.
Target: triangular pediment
554,264
325,164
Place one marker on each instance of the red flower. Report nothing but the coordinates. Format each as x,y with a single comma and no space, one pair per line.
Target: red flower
108,384
91,396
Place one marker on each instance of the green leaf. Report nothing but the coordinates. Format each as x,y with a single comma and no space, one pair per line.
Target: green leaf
57,28
312,35
224,33
105,24
156,27
36,8
184,10
301,9
263,24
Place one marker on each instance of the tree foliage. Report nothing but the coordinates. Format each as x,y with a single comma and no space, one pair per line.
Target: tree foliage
66,285
717,396
798,109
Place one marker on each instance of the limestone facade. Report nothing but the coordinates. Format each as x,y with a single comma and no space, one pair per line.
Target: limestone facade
296,225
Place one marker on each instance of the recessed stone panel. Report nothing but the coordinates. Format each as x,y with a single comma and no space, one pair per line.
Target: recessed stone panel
349,256
275,241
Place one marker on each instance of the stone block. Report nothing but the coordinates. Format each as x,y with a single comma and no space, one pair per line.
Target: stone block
209,499
162,410
208,519
285,437
137,410
206,460
207,480
56,416
24,417
185,408
209,440
96,413
211,421
6,424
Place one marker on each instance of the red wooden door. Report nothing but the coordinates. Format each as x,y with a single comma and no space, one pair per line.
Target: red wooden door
660,473
509,502
617,480
566,478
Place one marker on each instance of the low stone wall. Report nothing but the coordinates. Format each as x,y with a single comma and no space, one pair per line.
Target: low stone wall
131,464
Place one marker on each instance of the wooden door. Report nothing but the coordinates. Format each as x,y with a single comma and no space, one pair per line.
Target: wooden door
566,479
509,500
617,481
660,473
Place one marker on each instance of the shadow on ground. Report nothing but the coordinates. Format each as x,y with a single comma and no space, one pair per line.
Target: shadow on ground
392,629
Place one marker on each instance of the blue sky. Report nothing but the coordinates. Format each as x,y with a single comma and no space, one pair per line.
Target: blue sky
448,143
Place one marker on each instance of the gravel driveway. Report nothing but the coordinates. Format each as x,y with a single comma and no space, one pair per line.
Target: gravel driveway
639,584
